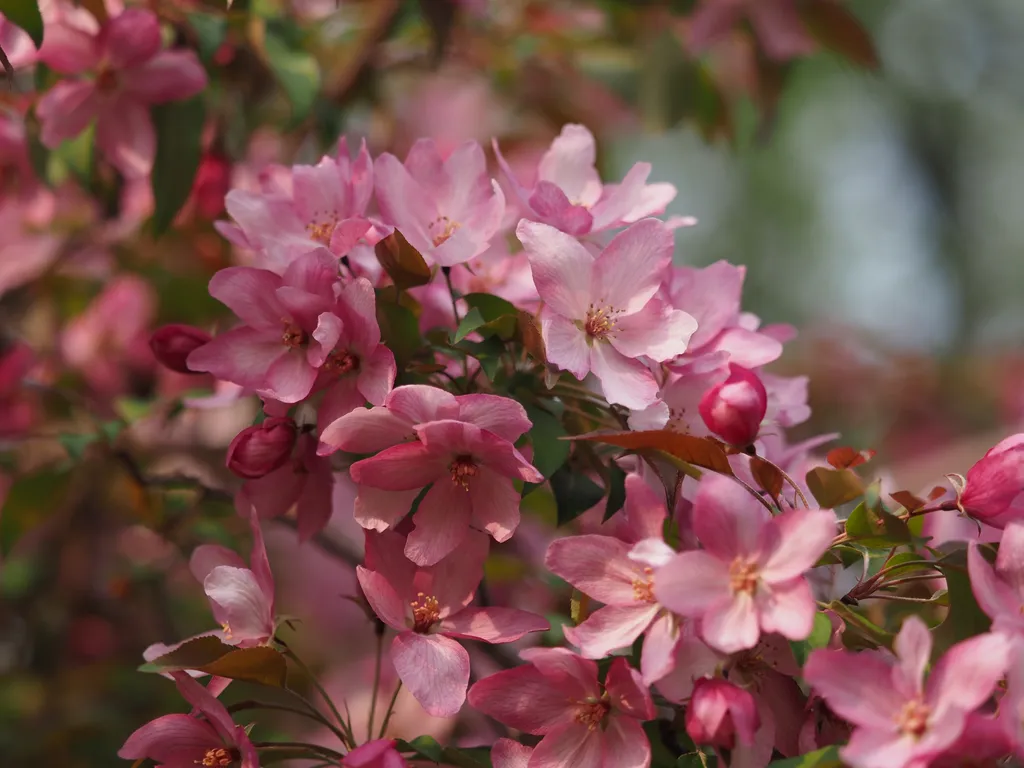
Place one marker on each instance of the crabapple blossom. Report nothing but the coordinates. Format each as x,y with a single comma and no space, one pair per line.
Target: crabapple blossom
1000,590
510,754
600,313
720,714
584,724
994,492
428,607
749,576
734,409
900,720
260,449
172,344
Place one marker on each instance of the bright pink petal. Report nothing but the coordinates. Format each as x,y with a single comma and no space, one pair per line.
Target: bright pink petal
625,745
418,403
801,537
510,754
732,626
994,596
383,599
620,200
359,312
727,518
402,201
658,657
170,740
365,430
627,691
250,294
374,754
630,269
1010,560
652,200
259,563
693,660
750,349
610,628
624,381
206,557
566,345
569,745
68,50
242,356
552,207
495,504
125,134
597,565
130,38
865,699
569,163
66,110
562,268
168,76
243,605
378,510
341,398
569,672
968,673
454,580
693,583
204,701
656,331
493,625
347,234
289,378
377,374
318,192
434,668
913,648
644,510
882,748
501,415
315,505
399,468
524,699
787,608
441,523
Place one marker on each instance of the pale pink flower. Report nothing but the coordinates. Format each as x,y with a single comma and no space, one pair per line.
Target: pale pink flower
677,407
777,24
899,720
749,578
131,72
207,737
568,194
720,714
324,207
600,313
469,471
734,409
1000,590
510,754
556,694
428,607
375,754
447,208
30,245
994,493
498,272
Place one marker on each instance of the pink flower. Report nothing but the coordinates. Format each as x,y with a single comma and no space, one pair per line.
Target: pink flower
557,695
777,24
469,471
300,330
1011,708
734,409
172,344
995,485
719,714
374,429
131,73
677,407
899,720
260,449
323,208
510,754
749,576
17,410
600,313
1000,591
16,44
447,208
568,193
375,754
430,606
185,741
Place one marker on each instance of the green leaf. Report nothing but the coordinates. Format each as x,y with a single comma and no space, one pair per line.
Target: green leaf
871,526
834,487
819,637
399,330
549,450
179,129
866,629
965,618
296,71
424,746
428,748
822,758
210,32
490,307
76,445
487,352
25,13
616,490
468,324
30,500
574,493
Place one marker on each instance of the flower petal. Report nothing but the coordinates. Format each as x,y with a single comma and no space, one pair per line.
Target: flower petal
561,266
441,523
610,628
383,598
399,468
378,510
522,698
364,430
495,504
501,415
726,518
864,699
244,607
65,111
569,163
170,739
624,381
493,625
565,345
913,647
693,583
130,38
569,745
627,691
732,626
434,668
658,657
597,565
125,134
787,608
631,268
656,331
968,673
624,743
801,537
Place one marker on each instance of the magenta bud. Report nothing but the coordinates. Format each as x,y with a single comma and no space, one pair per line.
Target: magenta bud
995,485
720,713
259,450
734,409
172,344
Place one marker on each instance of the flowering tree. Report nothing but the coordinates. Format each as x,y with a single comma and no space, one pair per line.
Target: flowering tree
444,353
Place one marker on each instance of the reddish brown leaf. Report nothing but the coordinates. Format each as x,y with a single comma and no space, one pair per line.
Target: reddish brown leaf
936,493
403,263
833,487
529,333
699,451
837,29
847,458
907,500
258,665
769,478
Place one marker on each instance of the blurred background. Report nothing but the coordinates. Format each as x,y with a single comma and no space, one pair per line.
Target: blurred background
864,160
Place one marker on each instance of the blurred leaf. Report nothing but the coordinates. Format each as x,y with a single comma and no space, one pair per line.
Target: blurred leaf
965,618
424,746
871,526
403,263
468,324
399,330
834,487
179,132
192,654
296,70
210,32
822,758
76,156
261,664
768,476
25,14
907,500
487,352
575,493
819,637
30,500
579,607
837,29
699,451
76,445
864,626
848,458
530,336
428,748
549,450
616,490
491,307
440,17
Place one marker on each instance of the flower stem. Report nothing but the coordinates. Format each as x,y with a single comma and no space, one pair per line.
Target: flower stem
376,681
390,710
351,741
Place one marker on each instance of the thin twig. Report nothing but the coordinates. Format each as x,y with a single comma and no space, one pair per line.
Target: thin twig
391,710
376,683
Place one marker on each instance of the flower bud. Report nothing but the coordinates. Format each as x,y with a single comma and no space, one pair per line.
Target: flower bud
213,182
259,450
375,754
734,409
172,344
719,713
994,493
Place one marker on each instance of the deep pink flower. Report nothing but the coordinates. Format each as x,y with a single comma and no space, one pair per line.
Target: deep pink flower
211,185
1000,590
207,737
131,73
995,485
369,430
984,741
734,409
447,208
17,410
16,44
568,193
777,24
556,695
600,313
470,472
749,578
324,207
375,754
1011,708
260,449
719,714
430,606
172,344
899,719
677,407
510,754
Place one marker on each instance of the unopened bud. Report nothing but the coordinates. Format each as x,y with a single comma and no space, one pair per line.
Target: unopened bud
172,344
720,713
734,409
259,450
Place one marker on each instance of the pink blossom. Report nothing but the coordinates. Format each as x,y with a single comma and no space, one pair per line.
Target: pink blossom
995,485
984,741
447,208
301,330
734,409
1011,708
677,407
777,24
428,607
568,193
172,344
749,577
206,737
375,754
260,449
556,694
469,471
719,714
324,206
600,313
131,73
898,719
501,273
16,44
510,754
1000,590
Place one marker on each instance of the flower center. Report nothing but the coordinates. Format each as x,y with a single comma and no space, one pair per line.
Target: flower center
293,336
426,612
442,228
592,713
912,720
643,589
600,322
462,470
227,630
216,758
321,230
743,576
341,361
106,80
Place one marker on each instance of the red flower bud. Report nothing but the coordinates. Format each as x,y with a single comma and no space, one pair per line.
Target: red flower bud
259,450
719,713
213,182
734,409
172,345
994,493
